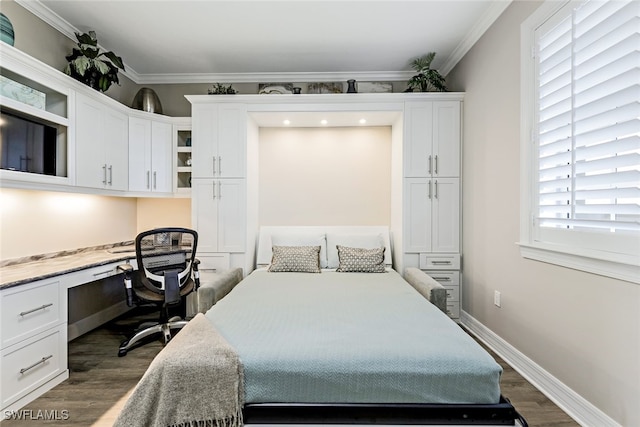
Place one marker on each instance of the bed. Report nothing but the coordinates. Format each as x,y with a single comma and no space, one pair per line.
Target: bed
351,347
324,331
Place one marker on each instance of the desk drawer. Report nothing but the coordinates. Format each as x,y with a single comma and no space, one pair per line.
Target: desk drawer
31,363
30,309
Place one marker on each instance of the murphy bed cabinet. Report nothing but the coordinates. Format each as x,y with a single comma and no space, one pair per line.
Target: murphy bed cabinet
426,186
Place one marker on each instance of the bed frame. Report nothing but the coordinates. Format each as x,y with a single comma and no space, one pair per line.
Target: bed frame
306,414
500,414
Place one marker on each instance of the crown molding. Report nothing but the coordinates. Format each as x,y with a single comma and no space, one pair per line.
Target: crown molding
487,19
482,25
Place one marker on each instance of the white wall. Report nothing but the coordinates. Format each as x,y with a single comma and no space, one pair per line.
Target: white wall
332,176
40,222
582,328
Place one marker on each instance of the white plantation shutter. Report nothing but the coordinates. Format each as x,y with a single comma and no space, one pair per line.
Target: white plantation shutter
588,127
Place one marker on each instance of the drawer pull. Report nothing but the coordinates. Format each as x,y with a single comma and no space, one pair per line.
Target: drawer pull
102,273
442,279
441,262
39,362
24,313
211,270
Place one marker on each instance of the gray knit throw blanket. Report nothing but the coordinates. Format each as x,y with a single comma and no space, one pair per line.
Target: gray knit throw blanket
195,381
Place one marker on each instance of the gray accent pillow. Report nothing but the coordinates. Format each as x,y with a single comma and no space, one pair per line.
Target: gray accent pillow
295,259
360,260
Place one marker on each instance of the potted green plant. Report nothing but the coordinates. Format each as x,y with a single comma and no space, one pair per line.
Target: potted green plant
220,89
427,79
91,66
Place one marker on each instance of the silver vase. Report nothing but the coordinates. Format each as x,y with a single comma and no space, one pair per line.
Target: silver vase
147,100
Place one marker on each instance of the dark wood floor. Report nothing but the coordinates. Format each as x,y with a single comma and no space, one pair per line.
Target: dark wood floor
99,382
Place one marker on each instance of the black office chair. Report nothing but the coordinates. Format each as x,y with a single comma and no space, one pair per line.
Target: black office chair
167,271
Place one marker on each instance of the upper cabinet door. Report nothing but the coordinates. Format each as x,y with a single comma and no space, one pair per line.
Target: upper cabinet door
162,171
418,129
91,167
432,142
102,138
116,150
446,139
219,141
232,136
139,154
204,141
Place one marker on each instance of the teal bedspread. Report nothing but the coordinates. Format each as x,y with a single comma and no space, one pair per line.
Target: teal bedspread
350,337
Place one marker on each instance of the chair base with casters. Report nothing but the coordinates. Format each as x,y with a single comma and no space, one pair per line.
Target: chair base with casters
163,278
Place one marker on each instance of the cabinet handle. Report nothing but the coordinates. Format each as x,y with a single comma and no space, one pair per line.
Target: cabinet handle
220,165
441,279
429,189
104,174
42,307
148,179
214,189
436,168
436,192
110,174
101,273
39,362
155,180
441,262
214,165
429,165
219,189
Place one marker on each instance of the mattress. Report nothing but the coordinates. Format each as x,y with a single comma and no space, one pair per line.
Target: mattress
350,338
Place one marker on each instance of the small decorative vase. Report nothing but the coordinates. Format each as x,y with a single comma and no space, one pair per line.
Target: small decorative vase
351,88
147,100
6,30
296,90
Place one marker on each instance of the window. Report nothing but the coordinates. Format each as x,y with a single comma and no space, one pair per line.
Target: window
581,136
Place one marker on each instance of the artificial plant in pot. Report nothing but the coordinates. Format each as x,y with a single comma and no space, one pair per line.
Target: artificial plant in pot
427,79
91,66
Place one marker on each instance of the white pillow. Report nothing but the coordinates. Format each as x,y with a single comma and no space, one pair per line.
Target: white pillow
303,239
365,241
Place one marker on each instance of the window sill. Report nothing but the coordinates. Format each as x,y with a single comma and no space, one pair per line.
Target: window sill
608,268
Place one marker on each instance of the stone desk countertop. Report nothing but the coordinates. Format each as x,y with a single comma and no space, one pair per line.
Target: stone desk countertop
20,271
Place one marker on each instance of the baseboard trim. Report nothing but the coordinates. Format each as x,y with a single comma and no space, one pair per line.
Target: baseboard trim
577,407
89,323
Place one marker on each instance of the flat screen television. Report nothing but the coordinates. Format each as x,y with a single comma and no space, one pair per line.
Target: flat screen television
27,145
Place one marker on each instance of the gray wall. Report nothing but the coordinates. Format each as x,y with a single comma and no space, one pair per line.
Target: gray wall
582,328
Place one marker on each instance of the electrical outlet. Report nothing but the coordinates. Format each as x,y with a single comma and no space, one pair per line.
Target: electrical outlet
496,298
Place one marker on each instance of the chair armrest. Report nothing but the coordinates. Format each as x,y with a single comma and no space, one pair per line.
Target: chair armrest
427,287
214,286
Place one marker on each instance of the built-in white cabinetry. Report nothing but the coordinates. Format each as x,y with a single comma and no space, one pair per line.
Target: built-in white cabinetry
183,156
102,156
432,141
150,154
431,165
432,215
219,214
223,127
33,337
218,180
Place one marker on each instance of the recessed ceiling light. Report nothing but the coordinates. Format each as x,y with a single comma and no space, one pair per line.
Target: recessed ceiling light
286,122
323,122
363,121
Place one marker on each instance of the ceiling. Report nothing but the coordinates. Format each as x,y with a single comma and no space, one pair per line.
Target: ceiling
186,41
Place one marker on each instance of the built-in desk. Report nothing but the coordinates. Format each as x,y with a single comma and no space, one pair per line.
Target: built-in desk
34,317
